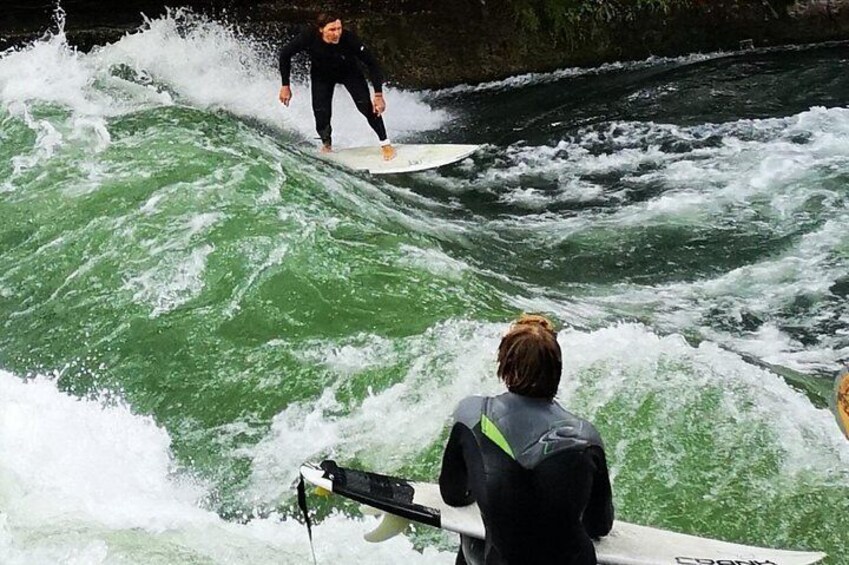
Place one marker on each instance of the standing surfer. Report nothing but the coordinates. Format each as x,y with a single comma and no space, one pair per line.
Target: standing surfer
335,55
537,472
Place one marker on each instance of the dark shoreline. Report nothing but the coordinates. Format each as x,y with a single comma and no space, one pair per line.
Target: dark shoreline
440,43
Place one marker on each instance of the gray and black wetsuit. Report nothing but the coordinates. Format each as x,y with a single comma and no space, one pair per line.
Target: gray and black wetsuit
332,64
539,475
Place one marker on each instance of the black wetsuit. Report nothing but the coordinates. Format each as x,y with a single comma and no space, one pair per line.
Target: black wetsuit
333,64
539,475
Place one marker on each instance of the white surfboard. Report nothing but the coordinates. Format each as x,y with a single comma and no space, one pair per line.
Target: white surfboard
409,158
403,501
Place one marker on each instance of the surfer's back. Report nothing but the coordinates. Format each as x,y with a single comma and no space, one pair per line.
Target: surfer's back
537,472
543,497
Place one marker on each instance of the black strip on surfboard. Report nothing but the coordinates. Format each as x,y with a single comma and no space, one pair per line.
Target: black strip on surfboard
390,494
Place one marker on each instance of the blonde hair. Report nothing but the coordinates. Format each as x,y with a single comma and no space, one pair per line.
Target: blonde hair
529,358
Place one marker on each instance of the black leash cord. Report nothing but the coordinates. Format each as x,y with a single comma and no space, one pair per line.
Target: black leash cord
302,504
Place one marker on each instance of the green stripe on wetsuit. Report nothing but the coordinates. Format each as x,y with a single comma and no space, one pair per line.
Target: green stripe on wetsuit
491,431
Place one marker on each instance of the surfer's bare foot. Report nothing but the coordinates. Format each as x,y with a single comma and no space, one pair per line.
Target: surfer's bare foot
388,152
326,148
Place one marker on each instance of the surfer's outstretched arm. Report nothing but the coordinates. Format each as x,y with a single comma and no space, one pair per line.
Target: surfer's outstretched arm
295,46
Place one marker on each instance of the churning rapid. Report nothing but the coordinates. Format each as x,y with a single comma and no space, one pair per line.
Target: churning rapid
192,304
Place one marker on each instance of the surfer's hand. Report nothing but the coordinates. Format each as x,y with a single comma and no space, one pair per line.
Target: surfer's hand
378,104
285,95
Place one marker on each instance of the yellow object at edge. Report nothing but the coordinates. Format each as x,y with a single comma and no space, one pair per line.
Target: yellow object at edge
322,491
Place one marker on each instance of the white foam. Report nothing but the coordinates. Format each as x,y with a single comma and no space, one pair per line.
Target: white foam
179,263
171,283
48,140
182,58
83,482
628,365
209,65
97,483
624,365
47,70
754,158
433,261
388,427
530,79
754,174
808,268
373,204
265,261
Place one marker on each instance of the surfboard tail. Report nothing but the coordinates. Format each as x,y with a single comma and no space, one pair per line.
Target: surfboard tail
403,501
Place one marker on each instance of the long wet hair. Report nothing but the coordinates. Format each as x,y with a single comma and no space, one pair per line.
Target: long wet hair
529,358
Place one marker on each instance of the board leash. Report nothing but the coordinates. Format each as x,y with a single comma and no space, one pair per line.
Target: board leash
302,504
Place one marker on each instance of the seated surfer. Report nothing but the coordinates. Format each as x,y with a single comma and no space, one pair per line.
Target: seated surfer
537,472
334,59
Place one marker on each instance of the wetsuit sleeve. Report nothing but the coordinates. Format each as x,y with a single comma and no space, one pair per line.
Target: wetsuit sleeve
295,46
598,515
454,477
363,54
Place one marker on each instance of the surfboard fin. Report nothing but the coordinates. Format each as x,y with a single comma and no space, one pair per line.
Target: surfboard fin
390,525
319,491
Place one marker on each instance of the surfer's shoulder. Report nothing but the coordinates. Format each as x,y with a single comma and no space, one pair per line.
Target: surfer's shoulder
469,410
